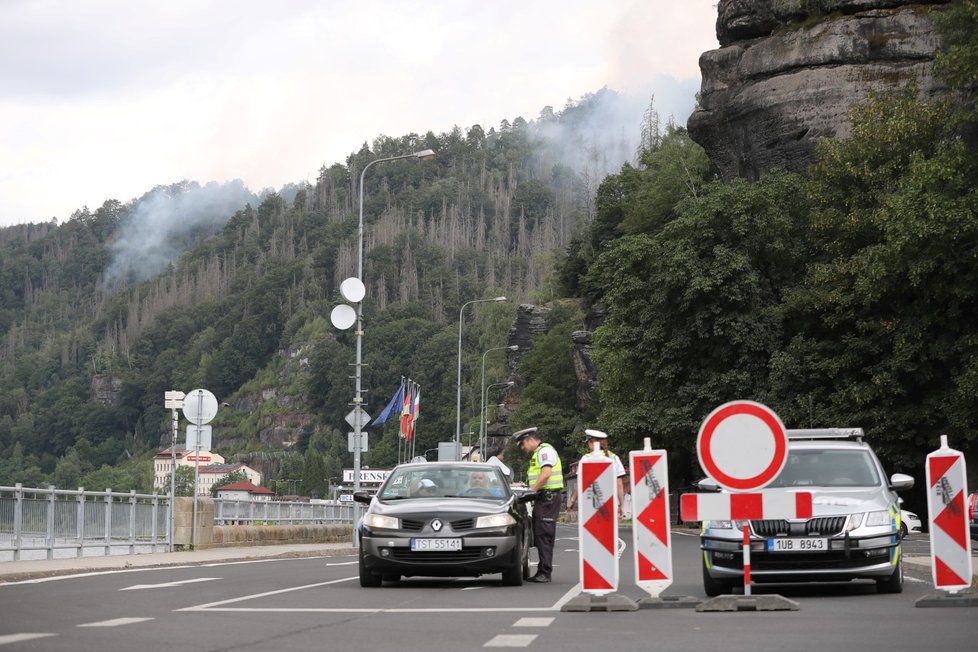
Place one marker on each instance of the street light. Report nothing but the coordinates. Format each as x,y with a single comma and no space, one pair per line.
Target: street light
485,409
423,155
458,385
482,390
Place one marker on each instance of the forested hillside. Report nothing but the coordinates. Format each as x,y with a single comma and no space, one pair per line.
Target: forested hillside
214,286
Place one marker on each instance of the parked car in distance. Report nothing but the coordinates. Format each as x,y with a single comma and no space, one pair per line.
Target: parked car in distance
854,531
909,522
446,519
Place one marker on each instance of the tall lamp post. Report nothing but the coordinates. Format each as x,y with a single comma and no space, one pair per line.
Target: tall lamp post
482,392
423,155
485,409
458,385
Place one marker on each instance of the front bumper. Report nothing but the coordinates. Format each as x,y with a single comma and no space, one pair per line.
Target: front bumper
874,556
479,555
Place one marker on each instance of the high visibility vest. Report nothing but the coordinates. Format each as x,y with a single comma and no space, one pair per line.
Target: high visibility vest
556,479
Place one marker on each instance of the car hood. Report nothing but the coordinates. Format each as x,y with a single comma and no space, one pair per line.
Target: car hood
440,506
838,502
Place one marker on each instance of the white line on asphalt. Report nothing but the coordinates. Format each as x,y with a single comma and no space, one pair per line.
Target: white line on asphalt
17,638
533,622
511,640
686,534
203,607
115,622
472,588
343,563
574,590
165,585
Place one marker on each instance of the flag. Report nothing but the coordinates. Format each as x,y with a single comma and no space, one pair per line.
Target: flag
415,410
395,401
406,414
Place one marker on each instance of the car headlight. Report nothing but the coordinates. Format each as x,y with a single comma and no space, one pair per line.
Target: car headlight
718,525
855,520
495,520
381,521
876,519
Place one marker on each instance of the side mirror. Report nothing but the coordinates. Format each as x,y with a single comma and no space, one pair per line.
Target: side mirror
362,497
708,484
901,482
529,496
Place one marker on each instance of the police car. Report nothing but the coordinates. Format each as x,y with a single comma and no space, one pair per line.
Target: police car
854,532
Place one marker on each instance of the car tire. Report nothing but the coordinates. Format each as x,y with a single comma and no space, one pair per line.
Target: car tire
894,583
368,579
713,587
513,576
903,531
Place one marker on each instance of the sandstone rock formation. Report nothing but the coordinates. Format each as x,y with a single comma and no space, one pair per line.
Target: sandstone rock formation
788,72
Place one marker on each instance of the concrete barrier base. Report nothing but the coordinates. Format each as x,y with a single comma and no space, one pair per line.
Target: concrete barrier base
610,602
670,602
749,603
944,599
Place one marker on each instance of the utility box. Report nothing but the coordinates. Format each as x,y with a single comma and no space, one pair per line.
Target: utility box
449,451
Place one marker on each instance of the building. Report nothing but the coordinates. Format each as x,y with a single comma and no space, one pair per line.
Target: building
244,490
212,468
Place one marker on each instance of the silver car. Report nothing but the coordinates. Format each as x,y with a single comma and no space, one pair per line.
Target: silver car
854,533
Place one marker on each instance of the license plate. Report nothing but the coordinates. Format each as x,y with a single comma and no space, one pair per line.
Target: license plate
422,545
802,544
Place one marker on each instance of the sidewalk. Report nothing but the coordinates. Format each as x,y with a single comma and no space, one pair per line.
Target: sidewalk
15,571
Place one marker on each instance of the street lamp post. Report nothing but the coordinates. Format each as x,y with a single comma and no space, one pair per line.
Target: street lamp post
485,409
423,155
458,385
482,392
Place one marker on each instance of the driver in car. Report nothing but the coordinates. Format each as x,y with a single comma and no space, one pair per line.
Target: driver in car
479,485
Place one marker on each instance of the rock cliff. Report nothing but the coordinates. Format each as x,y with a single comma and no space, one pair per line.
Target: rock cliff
788,72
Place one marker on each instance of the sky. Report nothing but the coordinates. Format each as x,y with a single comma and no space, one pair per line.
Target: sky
105,99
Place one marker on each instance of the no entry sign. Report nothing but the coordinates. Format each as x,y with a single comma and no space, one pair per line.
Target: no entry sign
742,445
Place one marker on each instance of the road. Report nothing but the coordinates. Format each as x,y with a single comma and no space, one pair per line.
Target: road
317,604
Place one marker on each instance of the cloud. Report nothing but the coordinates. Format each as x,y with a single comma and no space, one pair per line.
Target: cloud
104,99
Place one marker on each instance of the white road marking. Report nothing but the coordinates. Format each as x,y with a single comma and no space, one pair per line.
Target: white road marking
165,585
17,638
533,622
511,640
115,622
203,607
342,563
472,588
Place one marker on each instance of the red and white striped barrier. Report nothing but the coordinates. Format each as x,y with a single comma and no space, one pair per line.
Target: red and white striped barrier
651,535
597,500
950,541
745,506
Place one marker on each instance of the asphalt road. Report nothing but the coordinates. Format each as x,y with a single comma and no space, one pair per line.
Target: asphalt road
317,604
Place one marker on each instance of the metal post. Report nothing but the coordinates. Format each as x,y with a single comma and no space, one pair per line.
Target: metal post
173,477
458,384
80,525
49,539
18,517
200,410
108,521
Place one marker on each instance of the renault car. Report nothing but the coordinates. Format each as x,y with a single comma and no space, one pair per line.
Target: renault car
447,519
854,533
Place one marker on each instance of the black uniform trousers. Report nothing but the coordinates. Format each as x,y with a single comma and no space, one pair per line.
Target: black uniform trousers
546,509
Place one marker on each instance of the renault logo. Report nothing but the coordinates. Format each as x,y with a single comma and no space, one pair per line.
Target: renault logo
436,525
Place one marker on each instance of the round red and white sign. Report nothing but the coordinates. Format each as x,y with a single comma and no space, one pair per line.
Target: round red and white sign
742,445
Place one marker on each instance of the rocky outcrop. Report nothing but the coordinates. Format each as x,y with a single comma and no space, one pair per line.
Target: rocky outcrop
788,72
105,390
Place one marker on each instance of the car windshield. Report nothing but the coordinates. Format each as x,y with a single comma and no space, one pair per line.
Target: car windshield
828,468
457,481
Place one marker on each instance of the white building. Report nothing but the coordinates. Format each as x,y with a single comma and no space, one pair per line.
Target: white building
212,468
244,490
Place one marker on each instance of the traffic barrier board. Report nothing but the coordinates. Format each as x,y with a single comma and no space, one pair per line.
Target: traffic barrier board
950,541
745,506
598,524
651,535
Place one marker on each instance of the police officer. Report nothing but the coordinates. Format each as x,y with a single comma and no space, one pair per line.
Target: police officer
545,476
601,438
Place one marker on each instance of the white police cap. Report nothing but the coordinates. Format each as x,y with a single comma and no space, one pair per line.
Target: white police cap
595,434
520,435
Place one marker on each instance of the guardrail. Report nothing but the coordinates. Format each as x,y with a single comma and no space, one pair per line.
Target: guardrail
273,512
53,520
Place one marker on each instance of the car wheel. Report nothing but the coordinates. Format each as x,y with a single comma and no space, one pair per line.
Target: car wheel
903,530
526,558
367,579
513,576
894,583
713,587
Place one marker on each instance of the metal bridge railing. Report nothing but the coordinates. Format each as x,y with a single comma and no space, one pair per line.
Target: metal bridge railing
273,512
58,519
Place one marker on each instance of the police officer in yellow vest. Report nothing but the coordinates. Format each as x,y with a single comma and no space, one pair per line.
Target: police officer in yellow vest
545,476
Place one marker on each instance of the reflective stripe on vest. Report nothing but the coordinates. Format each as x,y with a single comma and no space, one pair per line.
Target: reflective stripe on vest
556,479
